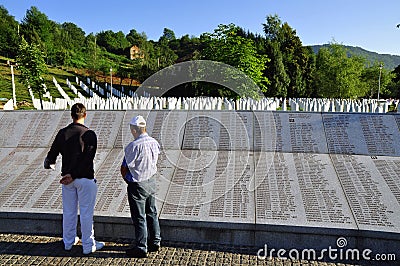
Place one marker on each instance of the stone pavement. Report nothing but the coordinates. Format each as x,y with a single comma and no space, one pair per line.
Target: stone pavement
48,250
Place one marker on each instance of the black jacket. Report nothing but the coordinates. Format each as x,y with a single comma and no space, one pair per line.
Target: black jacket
77,145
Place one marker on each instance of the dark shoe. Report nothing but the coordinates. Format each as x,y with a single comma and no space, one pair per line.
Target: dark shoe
153,248
136,253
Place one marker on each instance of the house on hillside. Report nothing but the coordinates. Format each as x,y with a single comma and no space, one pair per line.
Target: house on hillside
135,52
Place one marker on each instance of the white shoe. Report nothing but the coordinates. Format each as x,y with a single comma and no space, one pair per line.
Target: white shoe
69,247
98,246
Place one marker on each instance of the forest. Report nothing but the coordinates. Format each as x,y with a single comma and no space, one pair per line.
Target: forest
276,60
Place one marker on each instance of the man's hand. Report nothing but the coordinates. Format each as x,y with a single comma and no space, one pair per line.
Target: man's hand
124,171
66,179
47,164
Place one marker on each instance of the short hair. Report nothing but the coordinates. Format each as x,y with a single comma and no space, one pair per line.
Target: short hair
140,130
78,111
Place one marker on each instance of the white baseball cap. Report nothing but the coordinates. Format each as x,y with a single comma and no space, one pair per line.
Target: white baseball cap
138,121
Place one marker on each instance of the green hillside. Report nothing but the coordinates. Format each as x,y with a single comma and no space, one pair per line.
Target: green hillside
390,61
22,95
23,98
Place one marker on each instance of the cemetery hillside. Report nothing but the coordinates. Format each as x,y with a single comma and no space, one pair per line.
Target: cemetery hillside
59,60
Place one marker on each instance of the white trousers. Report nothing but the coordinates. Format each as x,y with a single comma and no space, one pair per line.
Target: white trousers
82,192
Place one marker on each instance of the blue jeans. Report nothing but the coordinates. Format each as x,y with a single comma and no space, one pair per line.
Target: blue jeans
142,203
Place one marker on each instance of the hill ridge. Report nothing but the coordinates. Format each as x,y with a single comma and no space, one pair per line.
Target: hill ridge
389,61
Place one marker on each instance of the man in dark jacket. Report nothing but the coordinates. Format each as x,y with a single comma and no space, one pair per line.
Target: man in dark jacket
77,144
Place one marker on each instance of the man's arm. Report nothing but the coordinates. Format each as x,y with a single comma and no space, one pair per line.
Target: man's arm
50,160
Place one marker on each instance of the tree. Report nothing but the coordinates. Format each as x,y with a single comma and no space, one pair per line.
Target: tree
8,34
165,56
375,74
135,38
37,28
92,55
291,63
31,63
185,48
277,73
114,42
69,41
338,75
394,85
73,37
309,74
275,69
295,59
224,45
272,28
168,35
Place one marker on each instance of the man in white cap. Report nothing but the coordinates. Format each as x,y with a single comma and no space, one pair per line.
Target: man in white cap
137,169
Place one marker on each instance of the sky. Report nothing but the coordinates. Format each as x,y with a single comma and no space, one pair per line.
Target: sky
368,24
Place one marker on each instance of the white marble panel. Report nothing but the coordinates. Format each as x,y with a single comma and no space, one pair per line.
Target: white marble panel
28,128
300,189
14,161
370,184
106,125
364,134
212,187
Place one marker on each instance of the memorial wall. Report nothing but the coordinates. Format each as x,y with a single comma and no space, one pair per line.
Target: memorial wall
328,170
